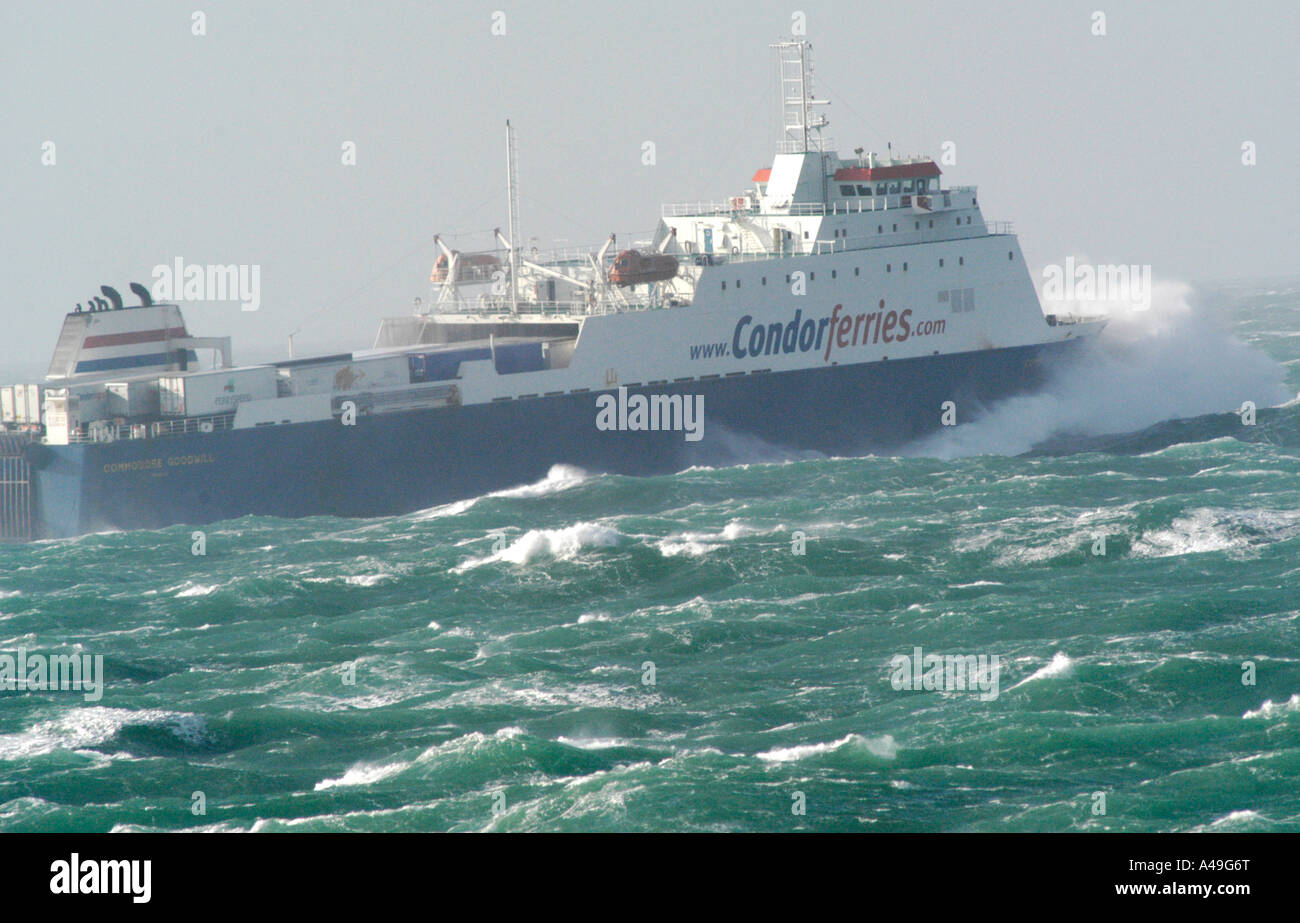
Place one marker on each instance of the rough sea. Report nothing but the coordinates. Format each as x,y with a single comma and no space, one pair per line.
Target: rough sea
600,653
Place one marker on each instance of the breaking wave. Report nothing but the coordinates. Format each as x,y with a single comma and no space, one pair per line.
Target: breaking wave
1169,362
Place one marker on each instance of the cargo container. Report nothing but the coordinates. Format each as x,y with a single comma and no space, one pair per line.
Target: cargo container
337,375
27,403
512,358
217,391
87,403
7,405
132,398
444,364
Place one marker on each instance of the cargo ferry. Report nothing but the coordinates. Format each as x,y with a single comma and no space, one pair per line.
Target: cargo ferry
836,305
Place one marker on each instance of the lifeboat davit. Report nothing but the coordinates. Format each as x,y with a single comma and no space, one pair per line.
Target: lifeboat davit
631,267
471,267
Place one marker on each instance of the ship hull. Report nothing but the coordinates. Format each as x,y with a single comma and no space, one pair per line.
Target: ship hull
394,463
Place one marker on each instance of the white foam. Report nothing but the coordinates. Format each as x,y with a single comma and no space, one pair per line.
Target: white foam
558,478
698,544
366,579
884,747
85,728
1213,529
363,774
197,589
1146,367
561,544
1272,709
1061,665
593,743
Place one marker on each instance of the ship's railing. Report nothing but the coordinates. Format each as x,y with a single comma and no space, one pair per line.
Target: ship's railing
686,209
578,308
851,206
837,245
577,256
814,144
727,207
100,431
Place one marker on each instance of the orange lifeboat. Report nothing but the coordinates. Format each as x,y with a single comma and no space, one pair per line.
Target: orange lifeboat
631,267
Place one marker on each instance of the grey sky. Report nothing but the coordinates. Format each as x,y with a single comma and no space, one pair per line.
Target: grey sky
226,148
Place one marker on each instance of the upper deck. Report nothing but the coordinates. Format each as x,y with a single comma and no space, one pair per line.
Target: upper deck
809,202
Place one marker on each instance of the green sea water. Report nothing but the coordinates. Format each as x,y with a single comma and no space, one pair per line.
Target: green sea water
606,653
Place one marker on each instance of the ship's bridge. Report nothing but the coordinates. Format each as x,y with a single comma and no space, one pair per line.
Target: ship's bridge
812,202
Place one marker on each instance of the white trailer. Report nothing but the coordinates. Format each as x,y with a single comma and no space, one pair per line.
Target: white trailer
218,391
132,398
337,376
27,403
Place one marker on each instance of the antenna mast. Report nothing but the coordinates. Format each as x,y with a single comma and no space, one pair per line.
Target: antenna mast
794,63
512,193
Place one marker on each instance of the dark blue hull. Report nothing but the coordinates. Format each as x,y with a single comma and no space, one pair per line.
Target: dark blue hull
399,462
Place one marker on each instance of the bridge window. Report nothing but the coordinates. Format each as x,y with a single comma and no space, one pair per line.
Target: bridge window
864,190
893,188
908,186
881,188
847,190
